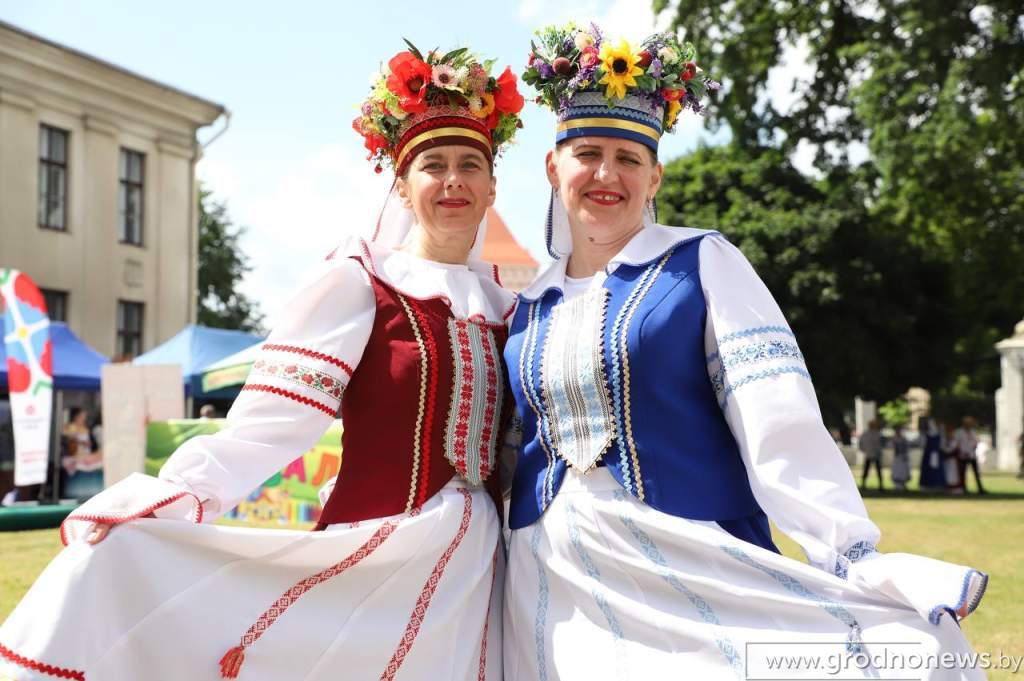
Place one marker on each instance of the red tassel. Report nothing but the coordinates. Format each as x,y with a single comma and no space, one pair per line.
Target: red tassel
231,663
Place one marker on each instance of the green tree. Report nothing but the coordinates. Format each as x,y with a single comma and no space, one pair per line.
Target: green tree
896,412
221,268
852,293
935,90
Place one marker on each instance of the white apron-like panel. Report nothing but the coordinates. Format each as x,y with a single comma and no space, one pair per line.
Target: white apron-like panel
412,597
605,587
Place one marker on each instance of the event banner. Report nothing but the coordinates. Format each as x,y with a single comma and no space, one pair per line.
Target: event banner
26,334
289,498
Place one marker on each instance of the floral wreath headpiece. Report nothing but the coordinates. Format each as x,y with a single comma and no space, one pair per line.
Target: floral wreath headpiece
418,102
598,87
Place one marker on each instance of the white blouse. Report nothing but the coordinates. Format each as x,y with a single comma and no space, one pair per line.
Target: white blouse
294,391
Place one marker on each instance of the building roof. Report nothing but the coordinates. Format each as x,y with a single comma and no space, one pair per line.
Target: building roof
500,247
47,44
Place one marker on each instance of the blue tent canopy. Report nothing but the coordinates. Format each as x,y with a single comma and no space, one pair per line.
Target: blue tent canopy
76,366
195,348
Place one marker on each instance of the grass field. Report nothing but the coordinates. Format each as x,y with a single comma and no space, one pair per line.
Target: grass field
984,532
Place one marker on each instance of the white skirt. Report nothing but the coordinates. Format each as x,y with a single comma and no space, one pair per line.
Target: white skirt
605,587
412,597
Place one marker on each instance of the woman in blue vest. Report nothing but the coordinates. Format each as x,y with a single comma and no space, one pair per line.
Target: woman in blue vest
667,414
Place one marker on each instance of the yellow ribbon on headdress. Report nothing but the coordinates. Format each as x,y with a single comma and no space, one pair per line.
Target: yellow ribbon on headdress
631,126
453,131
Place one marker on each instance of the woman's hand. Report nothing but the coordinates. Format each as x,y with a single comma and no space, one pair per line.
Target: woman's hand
98,531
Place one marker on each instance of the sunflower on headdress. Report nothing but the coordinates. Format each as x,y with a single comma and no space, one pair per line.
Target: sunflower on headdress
620,66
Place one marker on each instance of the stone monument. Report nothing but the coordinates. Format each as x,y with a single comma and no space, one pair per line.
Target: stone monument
1010,401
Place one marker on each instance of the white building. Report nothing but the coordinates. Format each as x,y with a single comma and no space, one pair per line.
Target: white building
98,191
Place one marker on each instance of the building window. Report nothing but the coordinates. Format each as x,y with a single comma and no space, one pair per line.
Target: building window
129,328
53,178
129,197
56,304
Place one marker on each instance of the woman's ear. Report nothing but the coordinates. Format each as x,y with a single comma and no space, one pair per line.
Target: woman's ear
402,185
656,177
551,167
492,192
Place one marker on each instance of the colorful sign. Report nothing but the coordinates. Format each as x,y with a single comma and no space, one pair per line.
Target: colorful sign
26,330
288,498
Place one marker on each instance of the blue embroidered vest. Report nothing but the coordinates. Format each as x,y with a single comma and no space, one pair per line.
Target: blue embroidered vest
642,398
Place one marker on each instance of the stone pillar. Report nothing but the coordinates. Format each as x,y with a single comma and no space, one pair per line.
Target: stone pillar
1010,401
864,411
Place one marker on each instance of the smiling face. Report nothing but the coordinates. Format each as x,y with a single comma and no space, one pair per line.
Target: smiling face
604,183
449,188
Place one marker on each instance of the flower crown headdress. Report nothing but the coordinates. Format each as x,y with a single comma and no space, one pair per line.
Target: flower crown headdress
597,86
418,102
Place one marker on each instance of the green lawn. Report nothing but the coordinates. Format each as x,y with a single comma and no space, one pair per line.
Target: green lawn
985,532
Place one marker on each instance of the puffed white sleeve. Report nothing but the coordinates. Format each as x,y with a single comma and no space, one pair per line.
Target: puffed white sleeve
292,395
796,471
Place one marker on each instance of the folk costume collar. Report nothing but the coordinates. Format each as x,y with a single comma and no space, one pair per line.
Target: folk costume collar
471,291
649,244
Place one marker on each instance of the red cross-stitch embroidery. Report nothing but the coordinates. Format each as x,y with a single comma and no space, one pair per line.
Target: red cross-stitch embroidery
419,611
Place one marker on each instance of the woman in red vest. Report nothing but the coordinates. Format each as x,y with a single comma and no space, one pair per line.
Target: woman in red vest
402,332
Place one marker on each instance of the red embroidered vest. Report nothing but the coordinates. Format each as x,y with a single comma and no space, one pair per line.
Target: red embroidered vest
426,402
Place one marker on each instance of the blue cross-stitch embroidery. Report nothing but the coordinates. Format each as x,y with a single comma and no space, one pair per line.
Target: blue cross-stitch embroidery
540,621
704,609
794,586
594,573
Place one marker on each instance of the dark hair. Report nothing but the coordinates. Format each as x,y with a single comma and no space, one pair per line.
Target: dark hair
73,413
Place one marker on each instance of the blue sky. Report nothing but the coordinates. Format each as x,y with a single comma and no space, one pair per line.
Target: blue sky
289,166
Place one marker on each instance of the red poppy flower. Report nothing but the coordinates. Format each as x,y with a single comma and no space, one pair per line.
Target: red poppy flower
507,98
672,95
689,71
408,81
18,376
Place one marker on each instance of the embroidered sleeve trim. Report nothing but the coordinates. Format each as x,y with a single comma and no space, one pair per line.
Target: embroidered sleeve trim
752,355
295,397
856,552
313,354
301,375
41,667
115,518
973,588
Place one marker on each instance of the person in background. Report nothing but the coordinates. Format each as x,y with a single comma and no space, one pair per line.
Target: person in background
950,460
932,476
207,412
900,460
966,441
871,444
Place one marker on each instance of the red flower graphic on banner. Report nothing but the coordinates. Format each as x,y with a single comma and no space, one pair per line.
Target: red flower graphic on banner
46,359
19,378
27,293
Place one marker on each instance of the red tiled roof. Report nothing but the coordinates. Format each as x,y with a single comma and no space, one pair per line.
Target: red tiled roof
500,247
